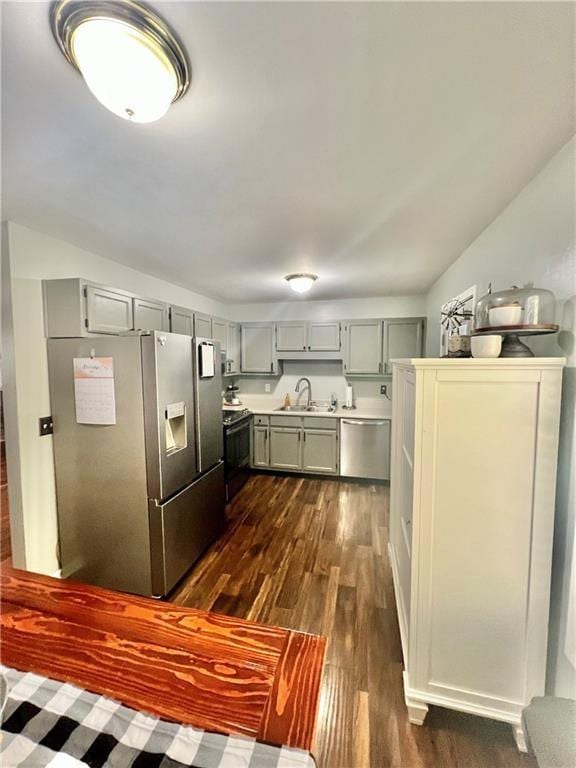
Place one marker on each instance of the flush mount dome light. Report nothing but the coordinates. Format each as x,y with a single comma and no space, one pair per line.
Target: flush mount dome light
301,282
130,59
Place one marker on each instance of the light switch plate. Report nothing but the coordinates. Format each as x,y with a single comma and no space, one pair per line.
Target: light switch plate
266,387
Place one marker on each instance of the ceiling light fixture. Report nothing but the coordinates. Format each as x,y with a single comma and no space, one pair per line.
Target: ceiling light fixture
130,59
301,282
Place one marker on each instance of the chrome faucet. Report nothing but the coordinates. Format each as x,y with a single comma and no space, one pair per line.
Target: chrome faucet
309,386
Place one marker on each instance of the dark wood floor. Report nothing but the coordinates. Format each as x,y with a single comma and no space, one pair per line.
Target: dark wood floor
310,554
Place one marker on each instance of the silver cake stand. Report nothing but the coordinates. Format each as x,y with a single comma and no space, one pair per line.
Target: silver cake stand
511,344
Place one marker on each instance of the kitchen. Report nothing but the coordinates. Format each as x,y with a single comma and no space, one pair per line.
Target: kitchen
202,412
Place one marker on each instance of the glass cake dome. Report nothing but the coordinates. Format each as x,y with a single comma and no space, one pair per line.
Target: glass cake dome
516,312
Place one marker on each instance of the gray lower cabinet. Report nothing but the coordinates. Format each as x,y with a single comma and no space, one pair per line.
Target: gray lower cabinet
285,447
202,326
257,348
150,315
182,321
297,444
320,450
260,446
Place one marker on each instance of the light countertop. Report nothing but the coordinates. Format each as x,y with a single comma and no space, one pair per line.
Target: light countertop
366,408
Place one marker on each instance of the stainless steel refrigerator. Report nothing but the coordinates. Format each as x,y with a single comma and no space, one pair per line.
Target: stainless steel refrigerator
138,457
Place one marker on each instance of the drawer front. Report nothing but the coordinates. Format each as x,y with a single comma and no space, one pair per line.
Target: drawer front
320,422
261,421
286,421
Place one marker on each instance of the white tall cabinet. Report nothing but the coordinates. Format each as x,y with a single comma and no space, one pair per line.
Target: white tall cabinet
473,479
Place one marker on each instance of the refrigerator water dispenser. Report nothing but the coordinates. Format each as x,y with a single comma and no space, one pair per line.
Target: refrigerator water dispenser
176,433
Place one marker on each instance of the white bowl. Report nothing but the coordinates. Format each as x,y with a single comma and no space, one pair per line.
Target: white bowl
509,314
486,346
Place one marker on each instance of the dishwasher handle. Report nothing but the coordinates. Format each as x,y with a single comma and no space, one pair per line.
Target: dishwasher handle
367,423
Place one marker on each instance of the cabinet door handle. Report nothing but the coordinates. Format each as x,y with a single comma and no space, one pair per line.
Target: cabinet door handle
367,423
271,367
304,436
299,436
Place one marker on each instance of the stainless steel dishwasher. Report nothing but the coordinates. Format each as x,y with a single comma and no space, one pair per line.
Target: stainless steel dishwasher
365,448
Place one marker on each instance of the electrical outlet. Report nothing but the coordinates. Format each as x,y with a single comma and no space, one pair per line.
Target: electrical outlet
266,387
45,425
384,389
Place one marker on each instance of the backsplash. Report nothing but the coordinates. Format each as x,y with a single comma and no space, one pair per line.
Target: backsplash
326,378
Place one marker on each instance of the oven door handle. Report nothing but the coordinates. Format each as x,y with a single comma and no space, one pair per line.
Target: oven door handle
239,428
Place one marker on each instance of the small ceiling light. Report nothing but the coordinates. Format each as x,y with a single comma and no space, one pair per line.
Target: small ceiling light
130,59
301,282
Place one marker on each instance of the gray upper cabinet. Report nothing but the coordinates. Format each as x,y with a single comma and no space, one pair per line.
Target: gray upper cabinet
150,315
232,348
324,337
108,311
219,332
320,451
402,338
182,321
363,346
291,337
285,445
298,336
202,326
257,348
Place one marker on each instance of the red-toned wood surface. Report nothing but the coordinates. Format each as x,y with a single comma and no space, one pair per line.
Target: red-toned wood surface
145,620
290,712
219,673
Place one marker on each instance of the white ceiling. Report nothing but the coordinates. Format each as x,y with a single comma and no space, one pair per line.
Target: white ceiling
367,142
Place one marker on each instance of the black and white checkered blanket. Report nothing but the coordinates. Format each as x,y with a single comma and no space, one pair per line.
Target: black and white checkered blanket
57,725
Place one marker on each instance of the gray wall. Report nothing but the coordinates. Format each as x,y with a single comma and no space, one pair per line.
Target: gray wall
533,240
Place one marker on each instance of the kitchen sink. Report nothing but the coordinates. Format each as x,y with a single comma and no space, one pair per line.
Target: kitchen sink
307,408
320,409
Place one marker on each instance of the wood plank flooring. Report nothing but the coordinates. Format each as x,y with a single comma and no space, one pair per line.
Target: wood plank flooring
211,671
311,554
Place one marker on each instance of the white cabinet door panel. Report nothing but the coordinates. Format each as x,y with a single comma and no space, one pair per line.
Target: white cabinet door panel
324,337
290,337
319,451
150,315
202,326
260,446
363,346
182,321
257,348
108,312
219,332
285,447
